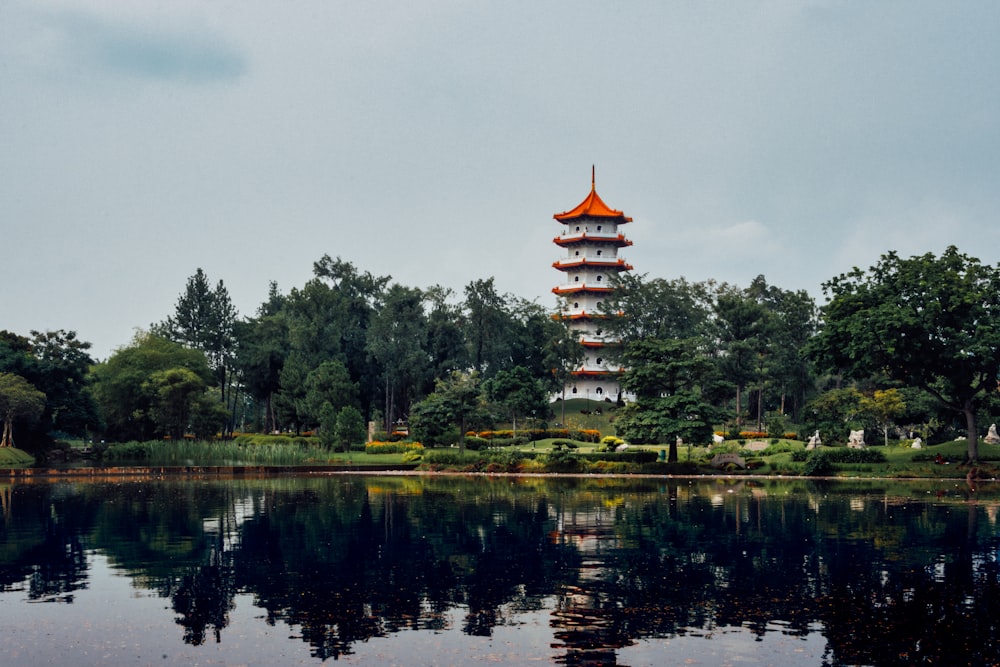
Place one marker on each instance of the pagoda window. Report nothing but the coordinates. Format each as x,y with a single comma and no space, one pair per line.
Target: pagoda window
574,390
600,390
600,361
577,253
599,278
576,279
598,227
578,228
576,304
598,253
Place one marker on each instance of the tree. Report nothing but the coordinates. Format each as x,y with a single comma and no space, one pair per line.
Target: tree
639,308
836,412
349,427
175,394
518,392
122,389
328,384
455,402
62,364
204,319
397,338
486,327
564,354
263,348
445,340
56,363
18,400
927,322
885,405
674,383
742,333
790,326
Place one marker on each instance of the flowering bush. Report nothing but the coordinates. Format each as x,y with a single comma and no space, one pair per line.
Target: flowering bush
393,447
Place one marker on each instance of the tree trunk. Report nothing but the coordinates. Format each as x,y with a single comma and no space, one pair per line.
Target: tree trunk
971,432
739,410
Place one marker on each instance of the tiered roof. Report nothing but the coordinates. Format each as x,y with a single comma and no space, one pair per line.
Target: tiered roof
592,207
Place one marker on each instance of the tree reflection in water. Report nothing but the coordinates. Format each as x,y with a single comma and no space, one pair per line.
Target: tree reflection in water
888,577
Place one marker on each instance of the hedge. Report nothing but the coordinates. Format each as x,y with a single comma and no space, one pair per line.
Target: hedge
393,447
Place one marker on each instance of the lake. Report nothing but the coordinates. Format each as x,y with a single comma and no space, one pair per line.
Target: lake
447,570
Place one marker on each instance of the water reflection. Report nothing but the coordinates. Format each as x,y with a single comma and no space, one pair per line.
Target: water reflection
887,574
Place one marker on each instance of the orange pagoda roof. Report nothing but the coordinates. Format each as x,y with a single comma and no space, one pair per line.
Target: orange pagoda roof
592,207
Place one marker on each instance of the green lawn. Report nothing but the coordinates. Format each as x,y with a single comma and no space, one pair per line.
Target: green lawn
12,457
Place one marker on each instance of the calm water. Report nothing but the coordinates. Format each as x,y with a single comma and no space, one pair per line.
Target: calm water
456,571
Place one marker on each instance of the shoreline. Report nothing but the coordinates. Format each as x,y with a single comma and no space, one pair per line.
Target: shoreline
229,472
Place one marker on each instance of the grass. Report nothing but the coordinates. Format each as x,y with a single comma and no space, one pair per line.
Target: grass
12,457
540,455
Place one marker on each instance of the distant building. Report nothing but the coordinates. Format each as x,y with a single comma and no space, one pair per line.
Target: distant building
591,238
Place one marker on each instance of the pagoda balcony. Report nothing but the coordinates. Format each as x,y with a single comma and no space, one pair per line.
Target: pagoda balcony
596,373
581,314
608,238
576,288
601,262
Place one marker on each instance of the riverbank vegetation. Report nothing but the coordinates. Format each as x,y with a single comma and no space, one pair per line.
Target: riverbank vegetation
777,457
904,351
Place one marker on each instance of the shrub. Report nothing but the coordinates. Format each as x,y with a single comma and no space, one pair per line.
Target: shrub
817,463
412,455
628,456
393,447
476,443
128,451
778,447
849,455
561,460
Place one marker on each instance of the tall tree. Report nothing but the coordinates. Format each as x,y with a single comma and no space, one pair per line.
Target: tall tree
204,319
57,363
563,354
928,322
455,403
487,321
328,384
445,338
791,325
640,308
18,400
519,392
121,384
674,383
743,325
263,347
397,339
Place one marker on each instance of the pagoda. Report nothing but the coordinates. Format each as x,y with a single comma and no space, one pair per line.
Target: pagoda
591,238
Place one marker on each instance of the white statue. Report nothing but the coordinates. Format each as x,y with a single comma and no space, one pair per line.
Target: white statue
856,439
917,444
992,437
814,441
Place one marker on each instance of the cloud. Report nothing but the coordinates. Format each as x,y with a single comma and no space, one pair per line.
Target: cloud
175,49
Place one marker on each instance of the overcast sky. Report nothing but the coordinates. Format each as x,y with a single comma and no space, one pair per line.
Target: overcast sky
433,141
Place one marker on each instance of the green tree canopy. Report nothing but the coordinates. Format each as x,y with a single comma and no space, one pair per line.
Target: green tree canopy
518,392
444,414
927,322
18,400
675,386
122,385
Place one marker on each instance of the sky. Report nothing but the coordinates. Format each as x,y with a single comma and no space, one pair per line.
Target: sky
433,142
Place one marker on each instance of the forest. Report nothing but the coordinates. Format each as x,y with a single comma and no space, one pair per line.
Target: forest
907,348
